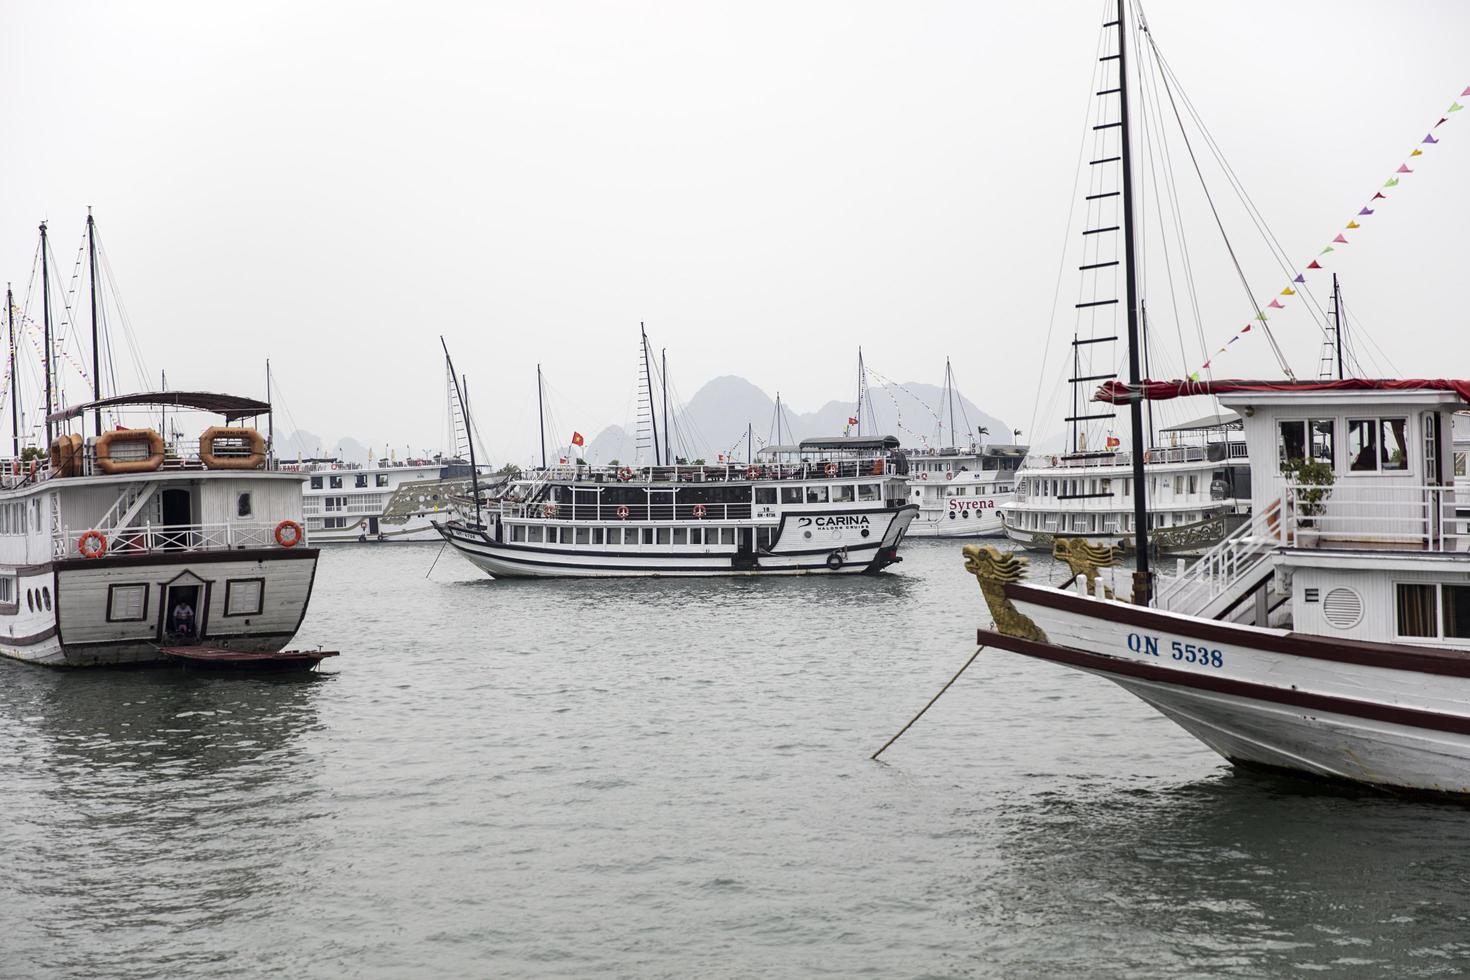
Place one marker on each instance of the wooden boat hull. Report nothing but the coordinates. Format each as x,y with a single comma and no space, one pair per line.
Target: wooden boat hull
1387,715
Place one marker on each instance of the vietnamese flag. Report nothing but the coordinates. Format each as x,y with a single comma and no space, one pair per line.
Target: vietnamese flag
577,439
851,420
1114,442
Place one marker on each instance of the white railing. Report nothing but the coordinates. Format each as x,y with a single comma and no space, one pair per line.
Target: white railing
1360,513
1238,555
146,538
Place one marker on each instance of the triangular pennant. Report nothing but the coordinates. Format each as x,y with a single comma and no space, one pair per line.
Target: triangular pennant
1288,291
1454,108
1329,248
1440,123
1429,138
1262,317
1247,329
1404,169
1232,340
1465,93
1339,240
1353,224
1392,182
1365,211
1301,278
1205,366
1194,376
1314,265
1275,304
1417,153
1220,351
1380,196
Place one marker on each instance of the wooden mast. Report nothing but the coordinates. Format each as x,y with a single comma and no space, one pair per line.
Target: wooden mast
648,387
46,328
14,388
96,357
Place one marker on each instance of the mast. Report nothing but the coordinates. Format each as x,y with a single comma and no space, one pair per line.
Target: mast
749,443
778,420
1142,578
270,414
541,413
46,327
14,397
96,358
1337,322
860,393
664,377
648,387
949,383
468,432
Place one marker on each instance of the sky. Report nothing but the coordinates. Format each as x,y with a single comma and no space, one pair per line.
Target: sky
766,185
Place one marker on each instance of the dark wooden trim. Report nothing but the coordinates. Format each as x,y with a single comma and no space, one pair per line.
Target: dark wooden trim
298,553
147,588
259,602
1073,657
30,638
720,569
1392,656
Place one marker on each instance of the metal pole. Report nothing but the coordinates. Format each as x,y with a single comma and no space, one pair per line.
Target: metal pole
46,328
668,436
469,434
270,414
541,413
96,358
14,388
860,393
1337,322
648,387
1142,578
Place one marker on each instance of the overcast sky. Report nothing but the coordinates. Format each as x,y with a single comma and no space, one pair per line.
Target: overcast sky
766,185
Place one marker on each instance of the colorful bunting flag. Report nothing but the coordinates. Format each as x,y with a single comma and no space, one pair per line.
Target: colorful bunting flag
1417,153
1194,376
1288,291
1440,123
1314,265
1465,93
1275,304
1454,108
1365,211
1392,182
1404,169
1232,340
1429,138
1204,367
1329,248
1380,196
1247,329
1353,224
1301,279
1339,240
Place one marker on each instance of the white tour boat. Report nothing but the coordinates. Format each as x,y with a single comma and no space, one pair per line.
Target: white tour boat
105,542
383,501
829,506
960,491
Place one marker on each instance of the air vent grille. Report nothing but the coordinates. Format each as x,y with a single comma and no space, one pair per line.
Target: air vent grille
1342,608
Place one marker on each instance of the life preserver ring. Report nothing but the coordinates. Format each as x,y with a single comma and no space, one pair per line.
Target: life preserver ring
288,534
548,509
98,546
923,476
247,450
1148,455
1053,461
622,512
949,474
835,560
831,469
625,474
752,471
700,510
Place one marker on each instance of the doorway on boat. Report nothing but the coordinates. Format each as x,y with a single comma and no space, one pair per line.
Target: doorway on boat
176,506
744,548
183,610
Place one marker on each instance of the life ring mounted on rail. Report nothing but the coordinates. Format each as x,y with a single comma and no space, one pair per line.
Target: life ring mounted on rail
93,544
923,476
548,509
622,512
625,474
949,474
700,510
831,469
288,534
752,471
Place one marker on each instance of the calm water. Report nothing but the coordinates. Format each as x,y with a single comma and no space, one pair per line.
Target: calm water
672,779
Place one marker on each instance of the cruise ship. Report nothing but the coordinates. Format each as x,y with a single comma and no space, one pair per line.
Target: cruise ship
384,501
960,491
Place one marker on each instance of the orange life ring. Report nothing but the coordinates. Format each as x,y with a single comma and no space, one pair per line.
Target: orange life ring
622,512
752,471
288,534
831,469
1053,461
625,474
923,476
98,550
700,510
102,450
1148,455
548,509
251,440
949,474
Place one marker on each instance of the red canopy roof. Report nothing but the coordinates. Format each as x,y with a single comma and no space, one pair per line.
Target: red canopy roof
1117,391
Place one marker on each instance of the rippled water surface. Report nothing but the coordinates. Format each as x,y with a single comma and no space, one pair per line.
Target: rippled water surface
671,778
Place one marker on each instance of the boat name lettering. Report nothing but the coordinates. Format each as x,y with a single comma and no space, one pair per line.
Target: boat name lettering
1189,653
971,504
841,520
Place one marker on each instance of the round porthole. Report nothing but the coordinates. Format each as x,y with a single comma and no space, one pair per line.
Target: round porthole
964,513
865,532
806,534
1342,607
951,515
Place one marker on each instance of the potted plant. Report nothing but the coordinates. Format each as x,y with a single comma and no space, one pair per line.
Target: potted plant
1311,485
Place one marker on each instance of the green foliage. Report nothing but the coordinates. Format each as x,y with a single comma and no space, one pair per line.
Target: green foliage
509,469
1314,485
32,452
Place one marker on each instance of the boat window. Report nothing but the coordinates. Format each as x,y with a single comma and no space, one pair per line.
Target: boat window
1415,605
583,535
696,535
681,535
1363,446
1460,456
765,495
361,480
382,479
648,535
534,534
1456,610
597,536
845,493
1193,483
816,495
764,538
242,505
336,483
727,535
517,532
125,603
663,535
988,463
46,595
1292,445
316,483
791,495
1395,444
869,491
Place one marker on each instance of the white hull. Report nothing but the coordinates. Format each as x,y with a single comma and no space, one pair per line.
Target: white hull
838,551
416,529
939,525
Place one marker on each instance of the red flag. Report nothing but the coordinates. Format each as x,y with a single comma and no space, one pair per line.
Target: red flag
577,439
1380,196
1314,265
563,460
1114,442
851,420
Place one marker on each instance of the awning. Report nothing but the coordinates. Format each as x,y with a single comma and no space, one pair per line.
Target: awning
1118,392
827,443
1222,420
232,407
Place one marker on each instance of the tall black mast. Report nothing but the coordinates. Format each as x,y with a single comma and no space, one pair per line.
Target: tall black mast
1337,322
648,386
468,432
541,413
96,359
1142,578
860,393
664,377
949,383
14,396
46,325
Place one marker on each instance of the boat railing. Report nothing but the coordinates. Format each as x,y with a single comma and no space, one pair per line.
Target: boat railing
1358,514
818,469
149,538
610,513
1238,554
1212,452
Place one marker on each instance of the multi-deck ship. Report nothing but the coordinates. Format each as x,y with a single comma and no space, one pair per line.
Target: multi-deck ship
383,501
961,491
